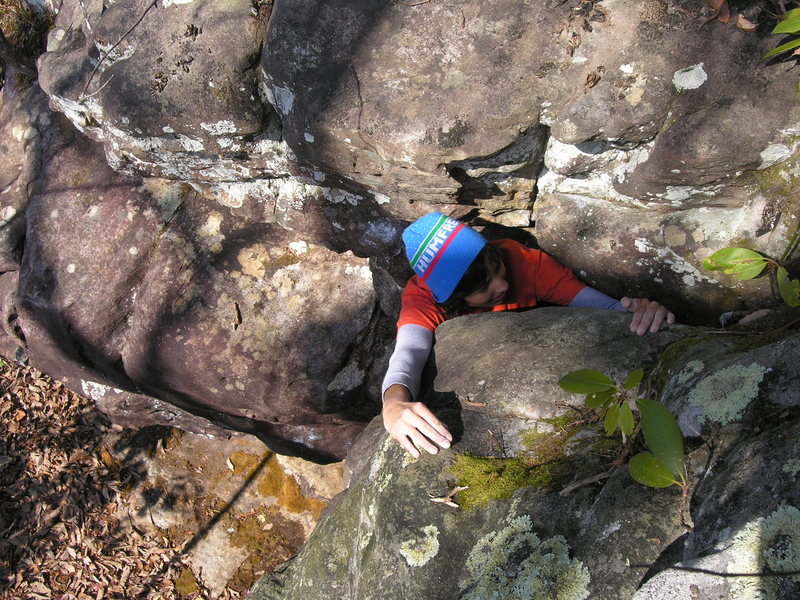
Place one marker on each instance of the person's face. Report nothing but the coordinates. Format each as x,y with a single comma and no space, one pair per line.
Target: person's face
494,293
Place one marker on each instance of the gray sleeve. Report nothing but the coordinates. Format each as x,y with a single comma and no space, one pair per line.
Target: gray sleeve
411,352
591,298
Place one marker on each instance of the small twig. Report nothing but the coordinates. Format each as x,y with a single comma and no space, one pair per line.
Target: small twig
469,402
448,499
98,90
100,62
584,482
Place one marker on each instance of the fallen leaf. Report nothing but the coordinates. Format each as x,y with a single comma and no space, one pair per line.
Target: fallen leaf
743,23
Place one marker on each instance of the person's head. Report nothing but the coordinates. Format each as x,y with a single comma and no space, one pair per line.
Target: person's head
456,263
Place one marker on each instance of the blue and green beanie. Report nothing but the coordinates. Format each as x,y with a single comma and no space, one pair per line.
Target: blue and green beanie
440,250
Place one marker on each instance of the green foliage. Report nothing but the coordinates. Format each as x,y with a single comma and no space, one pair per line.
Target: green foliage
647,470
788,288
791,25
664,464
586,381
740,262
746,264
603,394
662,434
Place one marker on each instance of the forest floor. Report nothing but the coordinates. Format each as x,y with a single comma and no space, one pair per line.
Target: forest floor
67,480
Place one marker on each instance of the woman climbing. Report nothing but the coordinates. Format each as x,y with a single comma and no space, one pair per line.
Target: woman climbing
458,272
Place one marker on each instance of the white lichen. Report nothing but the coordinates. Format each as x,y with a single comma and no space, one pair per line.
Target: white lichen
337,196
691,369
689,78
513,563
677,264
282,98
418,551
767,544
97,391
725,395
220,127
791,466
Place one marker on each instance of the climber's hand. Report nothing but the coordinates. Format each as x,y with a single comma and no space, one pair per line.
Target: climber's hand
648,315
412,424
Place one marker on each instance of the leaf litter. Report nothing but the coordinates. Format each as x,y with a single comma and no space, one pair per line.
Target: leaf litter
61,536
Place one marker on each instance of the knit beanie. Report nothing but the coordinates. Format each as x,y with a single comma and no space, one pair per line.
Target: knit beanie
440,250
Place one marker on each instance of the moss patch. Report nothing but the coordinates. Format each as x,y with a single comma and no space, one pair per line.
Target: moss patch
548,446
186,583
269,540
498,478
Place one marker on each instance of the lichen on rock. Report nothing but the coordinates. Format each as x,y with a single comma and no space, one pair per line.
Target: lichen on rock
418,551
495,571
724,396
767,544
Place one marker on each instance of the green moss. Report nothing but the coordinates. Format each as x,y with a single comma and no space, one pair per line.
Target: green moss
607,446
498,478
186,583
548,446
668,357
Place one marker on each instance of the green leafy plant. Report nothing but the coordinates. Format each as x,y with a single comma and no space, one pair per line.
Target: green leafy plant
789,24
602,393
747,264
663,465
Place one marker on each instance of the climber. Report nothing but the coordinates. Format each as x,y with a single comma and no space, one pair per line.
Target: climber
458,272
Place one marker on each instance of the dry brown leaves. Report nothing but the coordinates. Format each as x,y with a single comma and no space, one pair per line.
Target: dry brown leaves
60,536
722,13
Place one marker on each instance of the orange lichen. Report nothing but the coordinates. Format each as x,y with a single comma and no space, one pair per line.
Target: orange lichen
274,482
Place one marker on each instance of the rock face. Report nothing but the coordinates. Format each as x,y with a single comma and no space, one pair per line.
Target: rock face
164,307
238,265
543,537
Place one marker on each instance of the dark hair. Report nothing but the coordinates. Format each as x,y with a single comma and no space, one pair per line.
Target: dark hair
475,279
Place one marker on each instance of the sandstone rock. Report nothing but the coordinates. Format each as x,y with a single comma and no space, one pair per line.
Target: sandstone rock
602,540
164,307
229,502
361,112
22,111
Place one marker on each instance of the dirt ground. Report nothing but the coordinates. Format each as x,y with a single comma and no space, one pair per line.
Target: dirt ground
92,511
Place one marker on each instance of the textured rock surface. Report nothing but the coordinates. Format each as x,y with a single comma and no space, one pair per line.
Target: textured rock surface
236,508
612,538
165,307
241,265
600,113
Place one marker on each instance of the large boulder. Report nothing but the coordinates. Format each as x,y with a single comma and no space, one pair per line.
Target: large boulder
550,513
560,118
165,307
266,158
